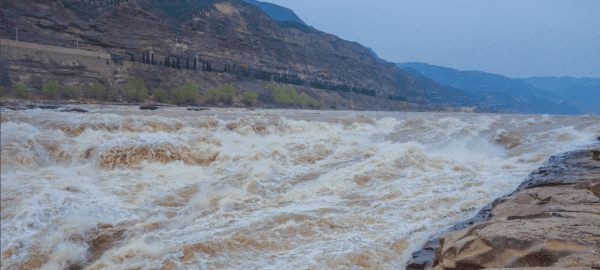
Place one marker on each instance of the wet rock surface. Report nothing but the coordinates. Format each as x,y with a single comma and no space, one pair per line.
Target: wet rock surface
16,106
75,110
425,257
19,106
552,220
196,109
151,108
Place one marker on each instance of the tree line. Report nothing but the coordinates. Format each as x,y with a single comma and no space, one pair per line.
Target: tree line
135,90
175,62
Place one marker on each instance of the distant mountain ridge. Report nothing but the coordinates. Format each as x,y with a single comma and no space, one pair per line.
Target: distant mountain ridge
585,89
425,86
492,89
582,91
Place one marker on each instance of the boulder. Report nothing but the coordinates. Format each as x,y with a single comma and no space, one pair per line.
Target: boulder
75,110
196,109
28,106
421,259
151,108
550,221
16,108
595,154
47,107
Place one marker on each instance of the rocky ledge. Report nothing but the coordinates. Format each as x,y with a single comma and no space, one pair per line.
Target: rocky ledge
551,221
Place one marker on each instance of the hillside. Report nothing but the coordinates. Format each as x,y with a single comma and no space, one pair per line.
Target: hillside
491,89
222,32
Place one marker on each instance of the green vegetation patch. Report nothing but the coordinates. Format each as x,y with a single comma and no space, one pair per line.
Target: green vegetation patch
226,92
286,95
51,89
313,102
68,92
135,89
114,94
303,98
335,103
289,95
188,92
160,95
96,91
21,90
249,96
212,94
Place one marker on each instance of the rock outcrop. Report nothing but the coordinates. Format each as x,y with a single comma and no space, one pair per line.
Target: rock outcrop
552,220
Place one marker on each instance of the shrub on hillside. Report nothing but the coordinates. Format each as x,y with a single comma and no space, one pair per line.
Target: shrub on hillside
188,92
160,95
20,90
135,90
50,89
285,95
303,98
96,91
68,92
114,94
335,103
212,94
3,90
192,90
227,92
249,96
178,95
314,103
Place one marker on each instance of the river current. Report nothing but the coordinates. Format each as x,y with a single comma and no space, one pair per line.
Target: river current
120,188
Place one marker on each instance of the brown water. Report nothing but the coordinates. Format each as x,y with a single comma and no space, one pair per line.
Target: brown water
119,188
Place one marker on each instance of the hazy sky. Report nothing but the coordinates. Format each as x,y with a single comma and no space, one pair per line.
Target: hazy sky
515,38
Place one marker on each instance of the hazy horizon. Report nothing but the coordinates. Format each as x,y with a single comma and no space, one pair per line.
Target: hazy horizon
511,38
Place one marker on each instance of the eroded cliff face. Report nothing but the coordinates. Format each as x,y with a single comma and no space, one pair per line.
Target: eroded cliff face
221,31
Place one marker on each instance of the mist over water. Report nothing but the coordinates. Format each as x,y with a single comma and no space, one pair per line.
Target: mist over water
121,188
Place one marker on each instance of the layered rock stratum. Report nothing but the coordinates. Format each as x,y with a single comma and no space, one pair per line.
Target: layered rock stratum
551,221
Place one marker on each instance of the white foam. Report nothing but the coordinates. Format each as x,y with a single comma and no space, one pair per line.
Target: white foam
341,188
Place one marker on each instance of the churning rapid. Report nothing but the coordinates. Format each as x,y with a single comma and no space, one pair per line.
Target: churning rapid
119,188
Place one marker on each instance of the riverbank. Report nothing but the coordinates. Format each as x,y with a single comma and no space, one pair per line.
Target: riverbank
551,220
